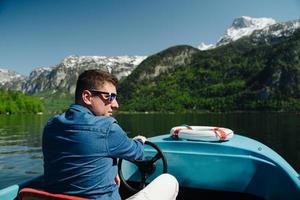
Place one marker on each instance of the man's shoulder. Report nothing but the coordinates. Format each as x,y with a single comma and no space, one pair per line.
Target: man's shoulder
105,120
52,120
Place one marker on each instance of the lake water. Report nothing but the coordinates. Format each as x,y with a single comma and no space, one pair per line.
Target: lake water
20,136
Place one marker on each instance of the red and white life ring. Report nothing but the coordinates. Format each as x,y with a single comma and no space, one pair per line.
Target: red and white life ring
202,133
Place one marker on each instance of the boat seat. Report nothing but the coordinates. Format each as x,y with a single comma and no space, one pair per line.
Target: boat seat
35,194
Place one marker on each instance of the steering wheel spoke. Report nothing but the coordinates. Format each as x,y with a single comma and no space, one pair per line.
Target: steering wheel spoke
143,181
156,157
146,168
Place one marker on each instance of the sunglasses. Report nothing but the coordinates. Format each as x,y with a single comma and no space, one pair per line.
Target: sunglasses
110,97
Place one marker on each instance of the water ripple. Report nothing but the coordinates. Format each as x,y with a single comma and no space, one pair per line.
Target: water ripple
19,150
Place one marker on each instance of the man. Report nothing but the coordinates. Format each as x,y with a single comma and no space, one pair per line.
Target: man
81,146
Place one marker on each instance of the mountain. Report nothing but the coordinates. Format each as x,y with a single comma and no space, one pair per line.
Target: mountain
257,28
155,65
260,71
11,79
255,66
244,26
64,75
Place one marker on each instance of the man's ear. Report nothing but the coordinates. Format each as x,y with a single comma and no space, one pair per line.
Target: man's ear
86,97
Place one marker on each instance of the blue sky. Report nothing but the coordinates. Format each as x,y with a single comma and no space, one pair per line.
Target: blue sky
35,33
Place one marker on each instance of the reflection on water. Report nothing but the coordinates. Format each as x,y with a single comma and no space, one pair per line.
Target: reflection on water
20,136
20,147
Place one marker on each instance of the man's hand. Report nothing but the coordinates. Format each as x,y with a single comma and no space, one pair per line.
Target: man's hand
141,138
117,180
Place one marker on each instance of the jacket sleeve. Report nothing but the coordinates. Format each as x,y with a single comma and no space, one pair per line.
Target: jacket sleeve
120,146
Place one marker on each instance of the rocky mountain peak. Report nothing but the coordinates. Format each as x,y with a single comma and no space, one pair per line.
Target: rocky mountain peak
251,23
109,61
244,26
285,29
8,77
63,76
241,27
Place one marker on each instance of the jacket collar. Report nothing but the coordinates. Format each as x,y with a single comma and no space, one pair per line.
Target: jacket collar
81,108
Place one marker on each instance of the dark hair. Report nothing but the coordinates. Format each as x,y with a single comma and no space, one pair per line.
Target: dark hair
92,79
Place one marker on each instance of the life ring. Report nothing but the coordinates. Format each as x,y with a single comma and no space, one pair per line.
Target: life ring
202,133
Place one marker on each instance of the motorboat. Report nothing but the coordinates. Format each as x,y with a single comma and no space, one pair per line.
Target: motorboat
212,162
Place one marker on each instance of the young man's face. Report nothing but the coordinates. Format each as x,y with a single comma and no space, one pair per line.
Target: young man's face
103,100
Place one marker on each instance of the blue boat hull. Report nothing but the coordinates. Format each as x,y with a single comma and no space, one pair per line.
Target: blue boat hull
240,165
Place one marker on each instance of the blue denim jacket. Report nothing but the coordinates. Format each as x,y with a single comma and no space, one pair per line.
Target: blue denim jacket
80,153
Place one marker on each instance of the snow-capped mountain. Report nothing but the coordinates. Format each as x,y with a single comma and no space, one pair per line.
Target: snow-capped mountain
256,28
109,61
8,77
244,26
204,46
272,32
64,75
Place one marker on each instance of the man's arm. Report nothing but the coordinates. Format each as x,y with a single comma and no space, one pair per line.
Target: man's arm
120,146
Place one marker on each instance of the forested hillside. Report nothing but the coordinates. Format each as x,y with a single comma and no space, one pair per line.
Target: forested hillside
12,102
238,76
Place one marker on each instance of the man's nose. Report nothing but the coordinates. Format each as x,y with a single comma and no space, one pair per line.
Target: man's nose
115,104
